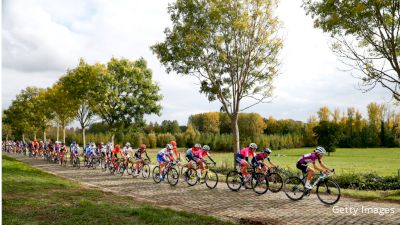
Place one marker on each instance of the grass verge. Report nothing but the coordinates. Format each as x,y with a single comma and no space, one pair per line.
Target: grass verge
31,196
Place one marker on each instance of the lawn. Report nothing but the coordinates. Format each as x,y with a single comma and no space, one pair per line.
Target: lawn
31,196
383,161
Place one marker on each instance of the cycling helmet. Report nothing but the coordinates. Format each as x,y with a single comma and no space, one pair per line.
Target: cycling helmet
173,143
267,150
128,144
142,146
253,146
169,147
197,145
320,150
206,148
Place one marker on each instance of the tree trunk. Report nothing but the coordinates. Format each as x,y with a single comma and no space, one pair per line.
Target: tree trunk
64,134
83,136
112,138
23,137
34,136
235,135
44,135
58,132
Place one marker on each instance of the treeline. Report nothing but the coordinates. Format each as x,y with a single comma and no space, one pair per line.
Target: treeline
380,128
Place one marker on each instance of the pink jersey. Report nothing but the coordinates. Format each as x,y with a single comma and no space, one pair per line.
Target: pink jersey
310,157
246,152
201,153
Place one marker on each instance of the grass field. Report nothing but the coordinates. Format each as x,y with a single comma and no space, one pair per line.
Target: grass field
383,161
31,196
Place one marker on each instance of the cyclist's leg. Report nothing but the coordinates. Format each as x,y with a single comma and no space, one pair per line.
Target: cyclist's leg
244,166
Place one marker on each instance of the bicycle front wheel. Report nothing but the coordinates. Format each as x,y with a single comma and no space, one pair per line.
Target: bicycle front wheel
191,176
211,179
259,183
328,192
146,171
294,188
172,176
233,180
156,174
275,182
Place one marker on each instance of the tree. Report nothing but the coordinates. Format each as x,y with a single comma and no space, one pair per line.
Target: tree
231,46
366,37
81,84
63,105
324,113
43,111
127,94
251,124
328,135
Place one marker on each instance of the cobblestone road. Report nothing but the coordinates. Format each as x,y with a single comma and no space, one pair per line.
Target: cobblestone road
271,208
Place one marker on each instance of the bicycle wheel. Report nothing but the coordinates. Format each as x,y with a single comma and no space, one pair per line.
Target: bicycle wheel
294,188
121,169
328,192
172,176
78,163
275,182
94,163
211,179
234,180
129,170
259,183
146,171
191,176
103,165
156,174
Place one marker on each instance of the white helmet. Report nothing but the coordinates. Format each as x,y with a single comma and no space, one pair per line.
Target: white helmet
253,145
128,144
169,147
206,148
320,150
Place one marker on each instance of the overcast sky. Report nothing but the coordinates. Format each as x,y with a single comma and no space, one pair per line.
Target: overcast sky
41,39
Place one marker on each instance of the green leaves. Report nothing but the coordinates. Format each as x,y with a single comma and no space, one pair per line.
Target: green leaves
127,94
366,36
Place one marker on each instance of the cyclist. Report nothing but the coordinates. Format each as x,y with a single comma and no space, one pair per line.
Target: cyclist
86,150
74,152
176,152
114,155
317,154
242,158
190,155
199,157
63,151
258,160
139,159
164,157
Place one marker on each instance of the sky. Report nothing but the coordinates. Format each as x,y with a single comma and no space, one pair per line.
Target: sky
41,39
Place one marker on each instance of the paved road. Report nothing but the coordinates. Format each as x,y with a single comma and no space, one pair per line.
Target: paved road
244,205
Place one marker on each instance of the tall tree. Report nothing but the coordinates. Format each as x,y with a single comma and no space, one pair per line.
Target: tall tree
127,94
81,84
366,37
43,111
231,46
328,135
63,105
324,114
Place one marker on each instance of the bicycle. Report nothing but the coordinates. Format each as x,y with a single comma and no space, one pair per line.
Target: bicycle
209,176
144,168
170,173
76,162
328,191
63,160
256,181
92,163
124,165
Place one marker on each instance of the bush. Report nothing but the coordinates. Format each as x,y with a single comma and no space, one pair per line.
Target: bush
164,139
152,140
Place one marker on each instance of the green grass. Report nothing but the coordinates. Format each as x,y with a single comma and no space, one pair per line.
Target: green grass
31,196
383,161
392,196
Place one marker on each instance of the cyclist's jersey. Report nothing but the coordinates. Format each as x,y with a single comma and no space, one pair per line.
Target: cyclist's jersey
75,151
176,152
201,154
63,148
164,153
89,153
127,151
116,152
261,157
192,151
140,152
310,157
35,144
245,153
